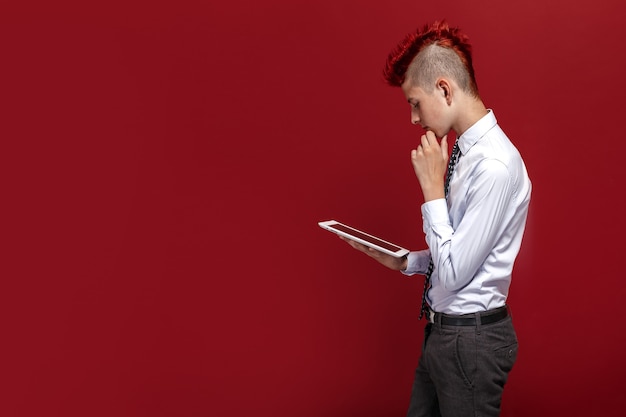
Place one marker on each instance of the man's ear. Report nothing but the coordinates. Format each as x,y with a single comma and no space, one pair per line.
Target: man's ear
445,89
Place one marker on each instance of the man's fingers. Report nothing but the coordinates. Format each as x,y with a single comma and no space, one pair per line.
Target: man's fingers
429,139
354,244
362,248
444,147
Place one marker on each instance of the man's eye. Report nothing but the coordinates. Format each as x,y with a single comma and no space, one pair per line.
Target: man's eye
416,105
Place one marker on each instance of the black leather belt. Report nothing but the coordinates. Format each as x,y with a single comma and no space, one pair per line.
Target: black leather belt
486,317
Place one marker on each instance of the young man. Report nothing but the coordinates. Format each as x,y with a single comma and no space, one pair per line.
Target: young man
473,222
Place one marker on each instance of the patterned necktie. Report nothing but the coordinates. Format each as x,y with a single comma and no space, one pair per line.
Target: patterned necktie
451,165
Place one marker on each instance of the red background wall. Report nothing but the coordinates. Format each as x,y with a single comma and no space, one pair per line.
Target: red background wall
164,167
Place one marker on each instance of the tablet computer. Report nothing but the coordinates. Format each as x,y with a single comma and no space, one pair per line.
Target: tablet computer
364,238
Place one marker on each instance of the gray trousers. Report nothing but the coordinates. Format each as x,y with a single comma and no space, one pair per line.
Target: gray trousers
463,369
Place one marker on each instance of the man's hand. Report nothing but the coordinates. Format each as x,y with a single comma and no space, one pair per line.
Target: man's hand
430,162
391,262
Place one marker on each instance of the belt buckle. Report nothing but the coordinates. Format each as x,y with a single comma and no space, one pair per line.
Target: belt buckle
431,316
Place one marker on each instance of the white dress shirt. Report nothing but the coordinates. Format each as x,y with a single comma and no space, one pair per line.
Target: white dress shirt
475,234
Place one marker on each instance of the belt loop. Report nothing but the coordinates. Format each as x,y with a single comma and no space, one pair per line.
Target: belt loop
478,323
438,321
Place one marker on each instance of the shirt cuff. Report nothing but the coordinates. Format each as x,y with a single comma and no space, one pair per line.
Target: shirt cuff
435,212
417,262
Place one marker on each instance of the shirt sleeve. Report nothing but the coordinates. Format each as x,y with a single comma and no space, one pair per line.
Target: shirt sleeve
417,262
459,251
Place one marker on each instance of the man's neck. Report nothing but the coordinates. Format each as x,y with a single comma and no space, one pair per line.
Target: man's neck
473,110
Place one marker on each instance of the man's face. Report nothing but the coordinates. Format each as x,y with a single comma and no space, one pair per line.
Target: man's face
428,109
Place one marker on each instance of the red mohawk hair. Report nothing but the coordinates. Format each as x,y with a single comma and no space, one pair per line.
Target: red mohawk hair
440,34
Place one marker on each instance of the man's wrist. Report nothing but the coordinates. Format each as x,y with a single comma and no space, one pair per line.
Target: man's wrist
434,193
404,264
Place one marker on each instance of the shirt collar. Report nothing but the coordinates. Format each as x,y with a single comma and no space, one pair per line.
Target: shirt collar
477,131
